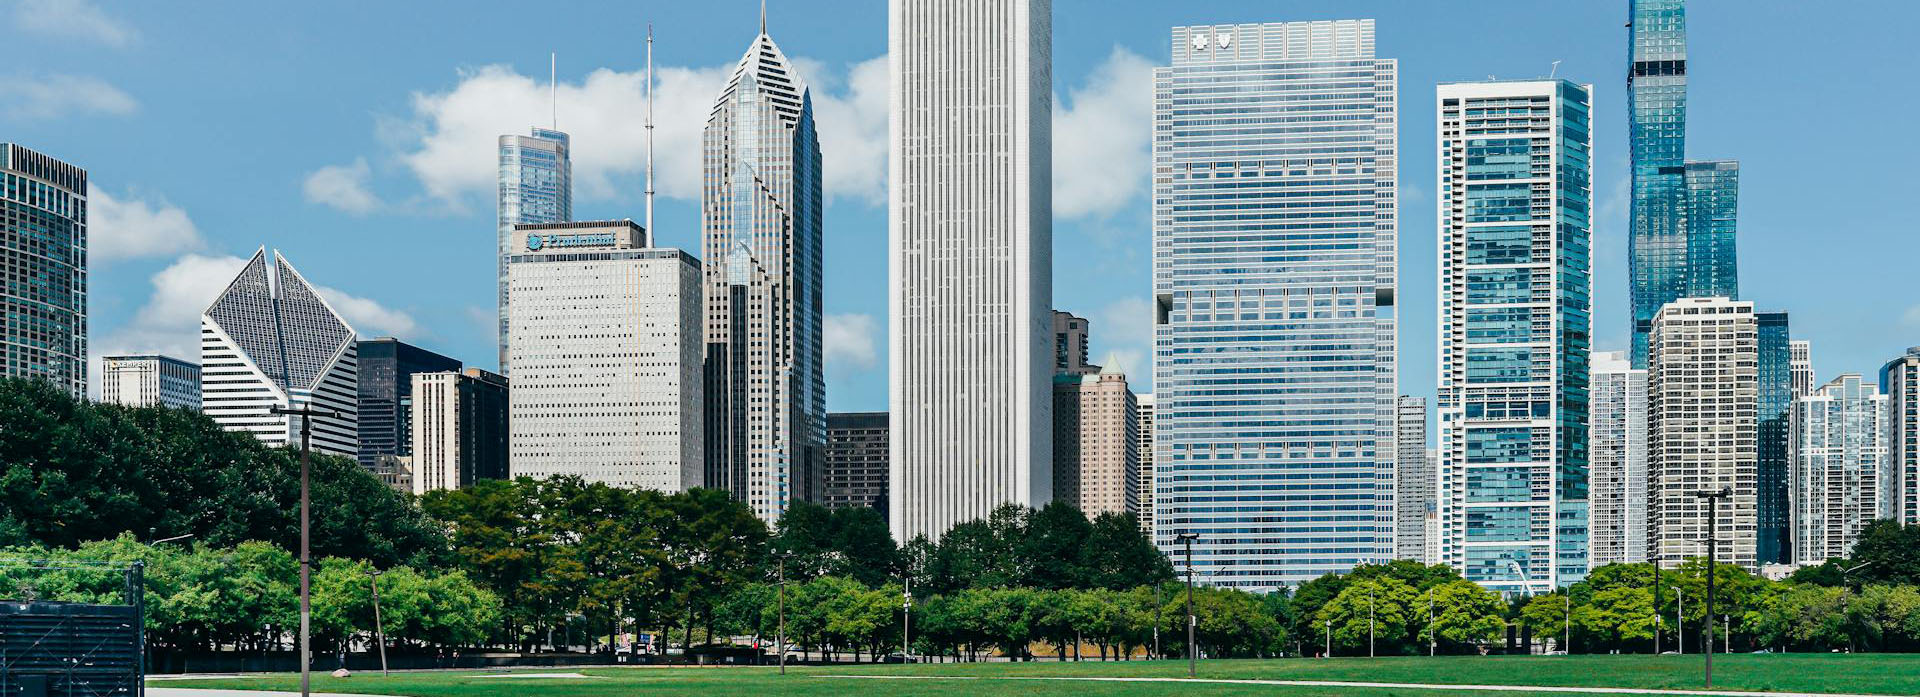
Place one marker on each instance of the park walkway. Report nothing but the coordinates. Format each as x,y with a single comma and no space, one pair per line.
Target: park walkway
1388,685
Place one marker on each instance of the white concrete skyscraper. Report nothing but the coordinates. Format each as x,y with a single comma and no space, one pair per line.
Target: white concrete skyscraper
766,395
536,186
970,236
1801,364
271,341
1838,454
1274,229
1703,404
1618,468
1900,382
150,380
1414,478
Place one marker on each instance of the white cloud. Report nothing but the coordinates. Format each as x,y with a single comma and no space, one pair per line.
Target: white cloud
1100,136
1125,328
1911,317
71,19
448,142
136,228
28,98
849,339
342,187
368,317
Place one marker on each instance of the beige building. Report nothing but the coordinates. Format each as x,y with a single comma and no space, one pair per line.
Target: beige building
1096,450
1703,418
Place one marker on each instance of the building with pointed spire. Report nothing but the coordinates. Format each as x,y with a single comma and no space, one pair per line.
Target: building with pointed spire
760,211
271,341
1096,441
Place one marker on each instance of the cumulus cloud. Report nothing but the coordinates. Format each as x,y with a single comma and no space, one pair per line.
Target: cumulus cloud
34,98
849,339
1100,136
448,141
136,228
71,19
368,317
1125,328
342,187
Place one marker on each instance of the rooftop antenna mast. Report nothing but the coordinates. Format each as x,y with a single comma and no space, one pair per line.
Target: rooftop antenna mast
1555,72
763,16
553,86
650,128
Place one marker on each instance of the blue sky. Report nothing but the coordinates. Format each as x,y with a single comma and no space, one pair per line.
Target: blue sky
357,138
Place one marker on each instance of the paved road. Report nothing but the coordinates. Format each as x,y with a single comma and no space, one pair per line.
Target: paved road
1394,685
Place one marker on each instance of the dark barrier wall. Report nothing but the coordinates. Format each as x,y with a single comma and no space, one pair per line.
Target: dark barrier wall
69,649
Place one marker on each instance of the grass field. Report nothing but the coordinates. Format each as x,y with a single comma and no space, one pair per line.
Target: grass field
1882,674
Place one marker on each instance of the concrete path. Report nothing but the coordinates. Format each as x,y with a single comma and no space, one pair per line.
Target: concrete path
197,692
1390,685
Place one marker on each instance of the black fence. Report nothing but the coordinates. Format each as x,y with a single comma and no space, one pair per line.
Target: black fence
69,650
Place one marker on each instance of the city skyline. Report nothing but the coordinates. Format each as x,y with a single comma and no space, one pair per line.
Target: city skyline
190,235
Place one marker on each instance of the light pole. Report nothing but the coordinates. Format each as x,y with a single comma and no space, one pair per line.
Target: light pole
1370,616
1432,646
906,619
1193,651
1566,638
1713,518
1329,653
1680,620
306,415
780,638
379,629
1656,604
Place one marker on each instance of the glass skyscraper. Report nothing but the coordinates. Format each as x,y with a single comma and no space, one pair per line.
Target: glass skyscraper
1772,469
1713,200
43,243
1515,287
1274,269
536,186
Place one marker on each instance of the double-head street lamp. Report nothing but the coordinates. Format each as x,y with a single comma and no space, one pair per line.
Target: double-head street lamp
306,415
1713,516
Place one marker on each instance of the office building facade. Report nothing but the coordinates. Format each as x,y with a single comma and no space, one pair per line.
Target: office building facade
536,186
970,243
607,353
268,342
1274,277
856,463
1802,366
149,380
1703,407
1773,469
459,429
1144,406
1415,481
43,242
1617,471
387,367
1900,382
1515,210
1839,452
1096,457
766,394
1070,336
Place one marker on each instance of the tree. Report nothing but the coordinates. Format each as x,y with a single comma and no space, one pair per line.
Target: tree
1805,617
1372,611
1889,553
1119,557
1054,547
1466,616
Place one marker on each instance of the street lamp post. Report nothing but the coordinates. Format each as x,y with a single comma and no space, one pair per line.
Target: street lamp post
1680,620
1329,653
1193,651
1713,518
1432,646
379,629
780,638
906,619
1370,617
306,415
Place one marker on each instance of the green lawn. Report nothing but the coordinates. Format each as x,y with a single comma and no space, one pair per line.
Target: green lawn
1860,674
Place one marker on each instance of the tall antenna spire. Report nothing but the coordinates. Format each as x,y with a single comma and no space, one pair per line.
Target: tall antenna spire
763,16
553,86
650,128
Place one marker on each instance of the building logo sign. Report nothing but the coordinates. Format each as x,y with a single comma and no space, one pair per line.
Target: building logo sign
598,239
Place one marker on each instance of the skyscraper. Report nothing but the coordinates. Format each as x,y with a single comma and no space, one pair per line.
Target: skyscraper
856,463
1900,382
271,341
607,353
1274,271
1703,426
766,395
459,429
536,186
1070,345
387,366
1096,457
1802,358
1713,204
1772,469
1414,480
1515,204
43,244
1839,451
970,244
150,380
1144,404
1618,469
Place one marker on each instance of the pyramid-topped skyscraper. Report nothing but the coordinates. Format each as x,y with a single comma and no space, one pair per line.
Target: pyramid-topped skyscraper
271,341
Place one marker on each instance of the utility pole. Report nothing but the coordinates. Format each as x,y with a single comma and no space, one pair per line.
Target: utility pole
379,629
306,415
1713,518
1193,651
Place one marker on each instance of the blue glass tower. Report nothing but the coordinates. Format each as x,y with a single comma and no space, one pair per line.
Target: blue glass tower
1713,200
1515,188
536,186
1775,399
1657,129
1274,269
43,244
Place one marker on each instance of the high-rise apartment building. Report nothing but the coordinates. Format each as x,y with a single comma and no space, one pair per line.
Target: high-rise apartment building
43,243
606,348
1839,451
1682,229
856,463
970,243
1703,408
459,428
1515,206
148,380
1144,405
1274,275
1774,392
1900,382
536,186
1617,470
270,341
1070,345
1802,366
1096,457
766,395
1414,482
387,367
